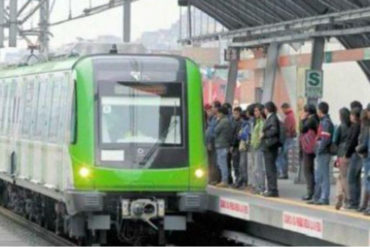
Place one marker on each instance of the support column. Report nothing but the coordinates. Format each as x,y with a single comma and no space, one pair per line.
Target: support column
231,81
13,30
127,21
317,59
2,23
189,22
44,29
270,72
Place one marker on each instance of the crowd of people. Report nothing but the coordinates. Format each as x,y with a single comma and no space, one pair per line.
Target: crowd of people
248,149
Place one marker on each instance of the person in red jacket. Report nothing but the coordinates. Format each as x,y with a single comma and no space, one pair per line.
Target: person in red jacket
290,135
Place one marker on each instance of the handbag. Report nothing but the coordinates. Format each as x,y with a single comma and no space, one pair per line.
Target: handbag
308,142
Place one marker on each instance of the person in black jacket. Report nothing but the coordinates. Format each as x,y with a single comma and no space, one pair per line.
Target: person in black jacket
309,125
354,160
271,143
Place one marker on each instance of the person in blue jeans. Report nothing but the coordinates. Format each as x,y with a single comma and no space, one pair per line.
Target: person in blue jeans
323,157
244,139
214,173
223,135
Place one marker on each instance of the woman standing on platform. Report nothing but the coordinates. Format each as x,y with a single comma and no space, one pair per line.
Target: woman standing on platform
259,171
309,125
340,141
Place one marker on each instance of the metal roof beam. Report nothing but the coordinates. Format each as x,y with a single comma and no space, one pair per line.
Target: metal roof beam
261,11
287,8
237,11
251,14
289,26
349,4
329,4
225,22
222,11
302,36
302,7
278,9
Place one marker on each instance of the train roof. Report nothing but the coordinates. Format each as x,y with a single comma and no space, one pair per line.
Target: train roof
39,68
64,65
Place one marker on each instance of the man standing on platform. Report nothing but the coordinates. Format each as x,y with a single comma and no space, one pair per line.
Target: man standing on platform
323,156
214,173
290,135
223,135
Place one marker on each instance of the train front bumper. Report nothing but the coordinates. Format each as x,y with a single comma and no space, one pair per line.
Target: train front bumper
93,201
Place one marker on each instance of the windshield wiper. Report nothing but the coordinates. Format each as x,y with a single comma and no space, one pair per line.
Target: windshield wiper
153,149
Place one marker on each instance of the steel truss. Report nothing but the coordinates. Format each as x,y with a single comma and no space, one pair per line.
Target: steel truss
14,17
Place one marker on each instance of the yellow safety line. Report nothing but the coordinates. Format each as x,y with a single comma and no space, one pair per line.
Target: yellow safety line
329,208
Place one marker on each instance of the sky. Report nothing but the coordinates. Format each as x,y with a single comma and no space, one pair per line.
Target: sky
147,15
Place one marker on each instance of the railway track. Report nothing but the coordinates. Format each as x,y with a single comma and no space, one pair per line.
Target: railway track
43,233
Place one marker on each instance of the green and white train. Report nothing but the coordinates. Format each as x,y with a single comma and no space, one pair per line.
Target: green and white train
104,142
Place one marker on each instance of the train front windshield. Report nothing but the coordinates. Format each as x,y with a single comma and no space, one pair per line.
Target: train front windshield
140,114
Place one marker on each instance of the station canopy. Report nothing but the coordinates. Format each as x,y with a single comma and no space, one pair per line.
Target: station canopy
242,14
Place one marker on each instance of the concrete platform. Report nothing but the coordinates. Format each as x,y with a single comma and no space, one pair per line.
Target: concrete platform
288,212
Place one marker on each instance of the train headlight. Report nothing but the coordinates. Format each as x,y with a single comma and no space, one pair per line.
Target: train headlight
84,172
199,173
161,208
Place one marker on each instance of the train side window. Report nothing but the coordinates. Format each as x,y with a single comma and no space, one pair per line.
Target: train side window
41,109
48,108
28,97
64,89
12,106
34,111
55,110
5,107
73,124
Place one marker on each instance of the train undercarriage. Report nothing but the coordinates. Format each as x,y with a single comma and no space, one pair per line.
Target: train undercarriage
91,218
